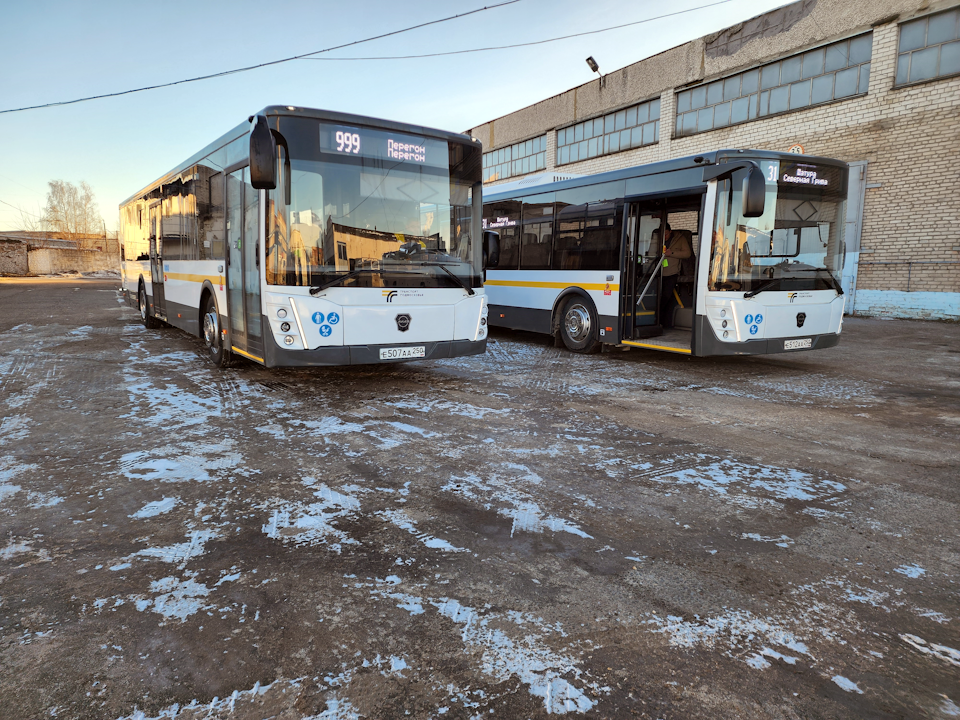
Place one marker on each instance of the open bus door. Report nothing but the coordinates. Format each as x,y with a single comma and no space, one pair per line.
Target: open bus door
156,263
243,265
643,325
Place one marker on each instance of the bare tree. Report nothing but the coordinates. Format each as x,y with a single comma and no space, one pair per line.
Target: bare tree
72,211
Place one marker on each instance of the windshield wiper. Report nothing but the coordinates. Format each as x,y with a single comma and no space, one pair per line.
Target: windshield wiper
761,288
457,280
836,282
355,273
341,278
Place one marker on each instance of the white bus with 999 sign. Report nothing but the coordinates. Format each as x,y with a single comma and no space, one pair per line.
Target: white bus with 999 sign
308,237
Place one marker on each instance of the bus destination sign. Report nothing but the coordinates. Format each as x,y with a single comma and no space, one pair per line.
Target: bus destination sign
803,176
388,146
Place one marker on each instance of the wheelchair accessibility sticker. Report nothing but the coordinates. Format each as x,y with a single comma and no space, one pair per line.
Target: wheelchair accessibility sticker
333,318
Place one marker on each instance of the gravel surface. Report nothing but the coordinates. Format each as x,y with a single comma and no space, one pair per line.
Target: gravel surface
522,533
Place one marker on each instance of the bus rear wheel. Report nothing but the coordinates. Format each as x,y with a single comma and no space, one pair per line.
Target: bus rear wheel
212,337
149,322
578,325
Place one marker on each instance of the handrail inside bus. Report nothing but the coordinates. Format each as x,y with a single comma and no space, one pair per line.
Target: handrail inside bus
653,277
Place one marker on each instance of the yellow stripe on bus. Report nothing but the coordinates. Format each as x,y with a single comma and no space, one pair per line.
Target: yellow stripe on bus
214,279
554,285
246,354
657,347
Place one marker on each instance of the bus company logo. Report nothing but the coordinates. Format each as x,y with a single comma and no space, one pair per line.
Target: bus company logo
403,322
801,317
792,296
389,295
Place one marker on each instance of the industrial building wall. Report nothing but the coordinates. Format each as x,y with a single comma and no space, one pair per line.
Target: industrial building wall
13,258
909,137
51,261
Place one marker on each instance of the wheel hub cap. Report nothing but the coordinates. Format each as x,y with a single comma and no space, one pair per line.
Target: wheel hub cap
211,330
577,323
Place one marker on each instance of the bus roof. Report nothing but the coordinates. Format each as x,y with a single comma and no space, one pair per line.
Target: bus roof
291,111
656,168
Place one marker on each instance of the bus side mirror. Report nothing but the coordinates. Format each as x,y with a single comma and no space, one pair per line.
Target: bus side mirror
754,192
491,249
263,156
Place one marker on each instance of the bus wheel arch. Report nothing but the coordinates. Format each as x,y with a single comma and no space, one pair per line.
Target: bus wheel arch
576,322
143,305
210,330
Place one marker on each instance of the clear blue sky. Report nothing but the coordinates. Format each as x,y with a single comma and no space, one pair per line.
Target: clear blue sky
62,50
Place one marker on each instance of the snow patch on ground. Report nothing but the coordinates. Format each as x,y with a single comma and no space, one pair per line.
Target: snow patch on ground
911,571
734,630
940,652
313,523
503,494
845,684
180,553
510,647
155,508
400,519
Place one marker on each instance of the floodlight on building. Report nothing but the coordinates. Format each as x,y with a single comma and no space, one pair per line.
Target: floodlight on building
596,68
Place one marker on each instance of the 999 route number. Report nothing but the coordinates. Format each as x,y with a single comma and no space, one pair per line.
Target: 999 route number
348,142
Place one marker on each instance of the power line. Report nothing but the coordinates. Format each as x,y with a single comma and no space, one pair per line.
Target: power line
261,65
21,210
526,44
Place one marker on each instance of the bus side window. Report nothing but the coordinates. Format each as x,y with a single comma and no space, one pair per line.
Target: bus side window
566,249
600,249
504,217
210,213
536,245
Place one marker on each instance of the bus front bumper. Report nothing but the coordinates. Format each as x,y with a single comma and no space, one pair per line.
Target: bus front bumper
709,344
277,356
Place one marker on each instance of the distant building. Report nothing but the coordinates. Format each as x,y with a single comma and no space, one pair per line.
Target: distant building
876,84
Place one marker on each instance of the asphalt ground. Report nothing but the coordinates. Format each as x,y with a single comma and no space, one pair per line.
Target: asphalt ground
522,533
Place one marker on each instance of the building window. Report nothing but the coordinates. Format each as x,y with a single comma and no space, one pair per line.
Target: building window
818,76
517,159
631,127
929,48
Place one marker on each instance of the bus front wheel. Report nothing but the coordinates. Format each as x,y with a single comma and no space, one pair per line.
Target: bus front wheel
149,322
212,336
578,325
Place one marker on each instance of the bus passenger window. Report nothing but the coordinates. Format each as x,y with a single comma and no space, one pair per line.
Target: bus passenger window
536,242
504,218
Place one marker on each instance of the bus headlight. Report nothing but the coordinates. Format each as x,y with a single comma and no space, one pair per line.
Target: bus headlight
726,334
285,326
282,313
288,339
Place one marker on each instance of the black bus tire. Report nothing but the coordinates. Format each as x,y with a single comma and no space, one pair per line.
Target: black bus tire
148,320
212,335
579,325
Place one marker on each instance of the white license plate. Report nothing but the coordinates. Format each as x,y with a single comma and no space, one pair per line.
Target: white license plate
401,353
801,344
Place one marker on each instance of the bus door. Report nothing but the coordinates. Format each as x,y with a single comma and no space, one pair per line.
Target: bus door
156,261
243,264
642,270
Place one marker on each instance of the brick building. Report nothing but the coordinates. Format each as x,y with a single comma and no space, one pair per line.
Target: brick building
873,82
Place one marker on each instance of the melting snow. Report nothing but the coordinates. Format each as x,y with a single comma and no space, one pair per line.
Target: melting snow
156,508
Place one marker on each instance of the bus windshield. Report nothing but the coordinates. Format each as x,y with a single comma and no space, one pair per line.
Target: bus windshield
797,244
387,209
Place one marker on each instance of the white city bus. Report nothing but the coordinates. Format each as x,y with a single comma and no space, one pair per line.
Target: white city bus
583,258
308,237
